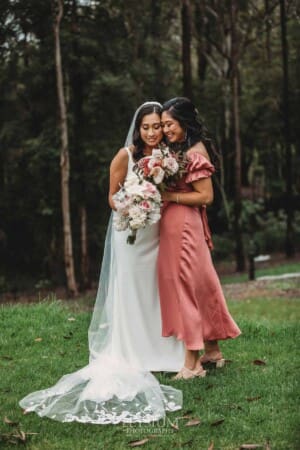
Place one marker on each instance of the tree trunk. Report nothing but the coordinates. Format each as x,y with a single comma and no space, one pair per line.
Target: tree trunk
186,48
64,158
203,45
239,250
2,171
84,248
268,31
289,245
78,159
157,86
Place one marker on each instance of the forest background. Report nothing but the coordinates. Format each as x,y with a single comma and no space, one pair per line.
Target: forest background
72,74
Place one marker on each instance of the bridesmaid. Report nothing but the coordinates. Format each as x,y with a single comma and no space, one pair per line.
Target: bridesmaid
193,306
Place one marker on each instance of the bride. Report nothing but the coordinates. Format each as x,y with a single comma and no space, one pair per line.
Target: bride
125,340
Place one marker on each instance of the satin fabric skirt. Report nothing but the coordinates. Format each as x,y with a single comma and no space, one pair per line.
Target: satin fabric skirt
193,306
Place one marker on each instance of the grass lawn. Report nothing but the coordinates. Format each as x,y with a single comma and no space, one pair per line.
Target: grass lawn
243,403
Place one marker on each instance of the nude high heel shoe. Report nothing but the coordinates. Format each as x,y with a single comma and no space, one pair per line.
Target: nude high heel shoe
186,374
213,358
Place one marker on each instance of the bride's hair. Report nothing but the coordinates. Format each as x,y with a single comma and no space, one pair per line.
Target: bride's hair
137,140
185,112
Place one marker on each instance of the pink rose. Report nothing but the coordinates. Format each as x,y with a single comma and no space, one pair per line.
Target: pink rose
149,187
145,205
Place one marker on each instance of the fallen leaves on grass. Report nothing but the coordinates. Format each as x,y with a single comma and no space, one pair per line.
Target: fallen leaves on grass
138,443
250,446
193,422
15,437
233,406
38,339
253,399
5,390
211,447
175,427
71,319
217,422
259,362
68,336
10,422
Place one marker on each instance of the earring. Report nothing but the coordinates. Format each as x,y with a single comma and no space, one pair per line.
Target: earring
185,135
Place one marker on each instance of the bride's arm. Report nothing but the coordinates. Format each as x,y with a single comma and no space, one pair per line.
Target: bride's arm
117,174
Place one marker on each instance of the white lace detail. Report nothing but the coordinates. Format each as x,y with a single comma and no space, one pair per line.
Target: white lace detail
100,394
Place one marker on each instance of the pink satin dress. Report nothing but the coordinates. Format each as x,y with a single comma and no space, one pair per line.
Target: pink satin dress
193,306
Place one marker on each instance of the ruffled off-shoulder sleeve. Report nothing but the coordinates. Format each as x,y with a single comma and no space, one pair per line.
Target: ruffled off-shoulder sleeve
198,167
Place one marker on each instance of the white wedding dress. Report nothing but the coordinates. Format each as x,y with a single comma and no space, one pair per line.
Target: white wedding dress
125,344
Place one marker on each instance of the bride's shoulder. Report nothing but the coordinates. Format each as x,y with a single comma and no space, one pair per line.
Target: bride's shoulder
121,157
199,148
124,151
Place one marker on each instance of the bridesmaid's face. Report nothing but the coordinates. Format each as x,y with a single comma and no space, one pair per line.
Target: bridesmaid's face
150,130
172,128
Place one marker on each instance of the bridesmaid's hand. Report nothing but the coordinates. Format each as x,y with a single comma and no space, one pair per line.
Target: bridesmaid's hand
167,196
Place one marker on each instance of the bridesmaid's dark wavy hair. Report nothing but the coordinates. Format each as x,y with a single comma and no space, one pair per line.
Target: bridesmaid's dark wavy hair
136,138
185,112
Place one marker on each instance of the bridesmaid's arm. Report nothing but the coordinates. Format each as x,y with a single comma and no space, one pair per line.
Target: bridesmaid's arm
201,195
117,174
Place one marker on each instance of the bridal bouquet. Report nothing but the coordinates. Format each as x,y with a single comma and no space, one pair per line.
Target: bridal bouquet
138,204
161,168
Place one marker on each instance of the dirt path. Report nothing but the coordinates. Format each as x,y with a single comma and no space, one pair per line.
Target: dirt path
287,288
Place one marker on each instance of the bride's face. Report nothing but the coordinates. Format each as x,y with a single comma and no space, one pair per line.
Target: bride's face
150,130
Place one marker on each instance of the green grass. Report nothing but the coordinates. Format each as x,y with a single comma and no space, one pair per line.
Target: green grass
277,270
257,402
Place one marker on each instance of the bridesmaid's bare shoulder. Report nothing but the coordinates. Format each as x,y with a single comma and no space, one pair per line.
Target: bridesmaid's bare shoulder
199,147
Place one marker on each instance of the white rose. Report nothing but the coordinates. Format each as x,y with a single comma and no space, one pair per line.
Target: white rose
171,165
158,174
156,153
154,217
120,222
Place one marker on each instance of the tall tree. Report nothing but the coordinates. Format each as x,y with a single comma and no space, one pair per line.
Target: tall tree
64,157
186,48
203,45
78,156
227,47
289,245
234,58
268,31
